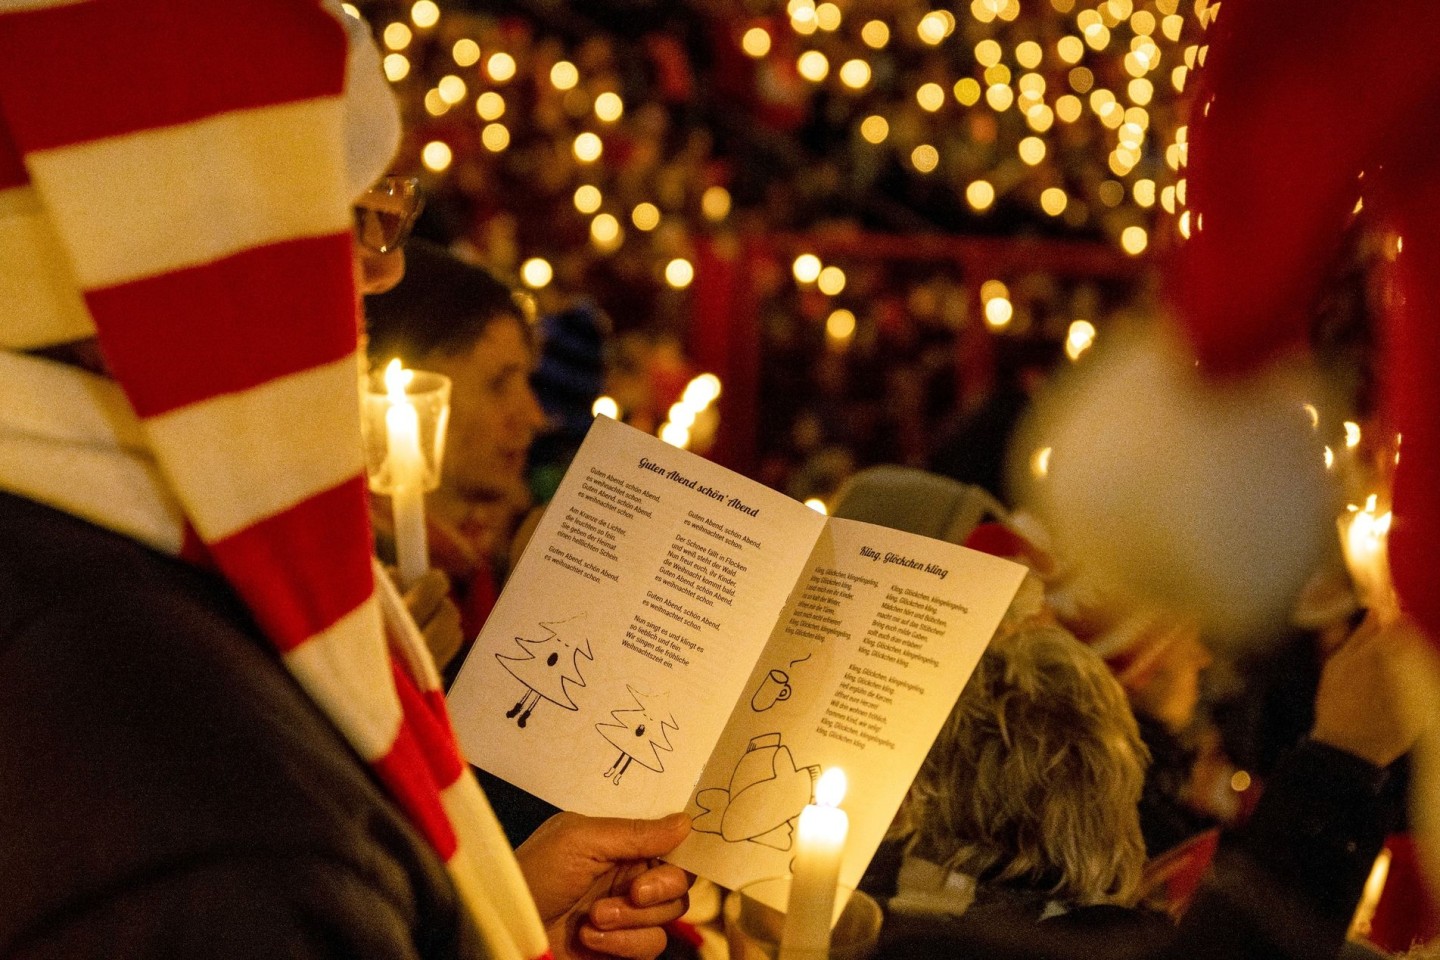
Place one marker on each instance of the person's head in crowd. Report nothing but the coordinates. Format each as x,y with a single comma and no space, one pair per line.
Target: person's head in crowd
1157,654
569,377
453,317
1034,779
1158,657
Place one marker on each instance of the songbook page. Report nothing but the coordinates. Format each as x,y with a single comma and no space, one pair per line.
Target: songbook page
628,629
864,666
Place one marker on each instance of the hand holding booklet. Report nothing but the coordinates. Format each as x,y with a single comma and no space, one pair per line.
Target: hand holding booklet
677,636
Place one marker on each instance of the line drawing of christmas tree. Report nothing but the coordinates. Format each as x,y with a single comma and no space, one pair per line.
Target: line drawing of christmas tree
548,667
639,733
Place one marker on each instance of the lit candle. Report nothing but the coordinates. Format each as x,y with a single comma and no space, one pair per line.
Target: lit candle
1360,923
406,465
820,846
1365,536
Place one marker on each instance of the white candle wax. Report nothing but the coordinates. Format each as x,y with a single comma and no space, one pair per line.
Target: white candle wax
407,476
820,847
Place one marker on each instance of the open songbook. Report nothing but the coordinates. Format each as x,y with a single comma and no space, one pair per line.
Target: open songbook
677,636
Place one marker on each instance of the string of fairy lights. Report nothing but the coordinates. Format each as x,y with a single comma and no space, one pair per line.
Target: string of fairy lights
1070,110
1051,114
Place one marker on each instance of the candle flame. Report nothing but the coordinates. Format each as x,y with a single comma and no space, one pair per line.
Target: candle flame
397,378
1352,434
1368,529
830,788
1360,923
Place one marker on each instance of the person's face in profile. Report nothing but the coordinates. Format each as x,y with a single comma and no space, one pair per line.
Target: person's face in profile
494,416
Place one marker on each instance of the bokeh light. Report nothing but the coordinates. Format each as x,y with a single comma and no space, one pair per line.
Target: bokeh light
806,268
536,272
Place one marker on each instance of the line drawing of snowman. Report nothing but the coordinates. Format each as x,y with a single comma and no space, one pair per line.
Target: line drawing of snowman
549,671
635,729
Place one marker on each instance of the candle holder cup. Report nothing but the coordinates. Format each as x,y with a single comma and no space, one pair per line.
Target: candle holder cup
429,393
753,925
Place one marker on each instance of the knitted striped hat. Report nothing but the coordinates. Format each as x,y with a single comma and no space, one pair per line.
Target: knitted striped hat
176,180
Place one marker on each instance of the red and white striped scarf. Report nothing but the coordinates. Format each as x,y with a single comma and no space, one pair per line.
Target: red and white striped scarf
176,180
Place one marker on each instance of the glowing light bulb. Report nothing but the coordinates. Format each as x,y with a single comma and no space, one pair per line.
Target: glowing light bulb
1352,434
605,232
715,203
564,75
609,107
675,435
424,14
587,147
855,74
967,91
980,194
490,105
702,391
876,34
465,52
999,312
1134,240
435,104
813,66
436,155
992,289
931,28
679,273
756,42
999,96
1079,338
500,67
397,67
588,198
645,216
397,36
495,137
806,268
452,89
536,272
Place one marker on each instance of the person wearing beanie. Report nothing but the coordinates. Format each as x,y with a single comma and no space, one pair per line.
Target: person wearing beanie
569,378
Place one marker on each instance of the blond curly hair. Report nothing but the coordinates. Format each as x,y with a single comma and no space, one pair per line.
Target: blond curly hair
1035,777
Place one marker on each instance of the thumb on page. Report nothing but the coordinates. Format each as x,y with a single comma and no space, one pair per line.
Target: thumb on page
618,839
